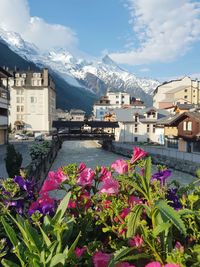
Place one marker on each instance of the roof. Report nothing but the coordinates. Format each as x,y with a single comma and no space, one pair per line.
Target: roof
4,73
77,111
170,120
79,124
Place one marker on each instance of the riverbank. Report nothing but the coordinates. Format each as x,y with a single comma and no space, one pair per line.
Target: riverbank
173,159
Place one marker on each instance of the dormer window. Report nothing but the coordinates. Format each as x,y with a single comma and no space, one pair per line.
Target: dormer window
187,126
24,75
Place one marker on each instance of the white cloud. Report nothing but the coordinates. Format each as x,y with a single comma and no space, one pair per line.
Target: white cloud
145,70
165,30
15,16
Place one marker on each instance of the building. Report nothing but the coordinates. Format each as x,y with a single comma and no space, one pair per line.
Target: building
77,115
112,100
181,91
33,101
182,131
139,125
4,105
62,115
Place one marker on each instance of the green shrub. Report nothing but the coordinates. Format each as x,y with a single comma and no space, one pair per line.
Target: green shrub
13,161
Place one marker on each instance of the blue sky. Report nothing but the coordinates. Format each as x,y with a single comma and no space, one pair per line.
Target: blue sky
152,38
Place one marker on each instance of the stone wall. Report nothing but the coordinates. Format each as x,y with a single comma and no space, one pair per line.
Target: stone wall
180,161
38,169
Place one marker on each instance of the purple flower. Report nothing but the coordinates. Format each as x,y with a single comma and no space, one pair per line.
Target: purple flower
173,198
25,184
44,205
161,176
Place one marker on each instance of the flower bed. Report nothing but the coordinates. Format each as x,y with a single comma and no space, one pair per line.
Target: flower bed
120,215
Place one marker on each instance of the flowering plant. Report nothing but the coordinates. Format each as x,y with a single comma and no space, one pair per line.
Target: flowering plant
120,215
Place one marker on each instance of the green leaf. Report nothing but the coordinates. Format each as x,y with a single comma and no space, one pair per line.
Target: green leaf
118,255
62,208
171,214
135,257
73,246
133,220
33,236
105,229
47,241
7,263
10,232
51,249
58,258
161,228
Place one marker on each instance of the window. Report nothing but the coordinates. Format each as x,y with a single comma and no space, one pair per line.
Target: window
22,108
33,99
148,128
18,100
136,118
123,96
154,115
135,139
117,102
185,90
187,126
24,75
117,96
16,74
154,128
185,96
136,128
18,108
122,102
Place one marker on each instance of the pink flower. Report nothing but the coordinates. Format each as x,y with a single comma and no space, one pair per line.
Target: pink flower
136,241
171,265
120,166
81,167
179,247
124,264
79,252
153,264
71,204
106,204
105,173
138,153
49,185
124,213
133,200
86,177
101,259
59,176
110,186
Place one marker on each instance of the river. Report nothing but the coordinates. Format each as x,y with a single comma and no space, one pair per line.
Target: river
91,154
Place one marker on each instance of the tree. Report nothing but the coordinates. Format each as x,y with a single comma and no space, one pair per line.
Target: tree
13,161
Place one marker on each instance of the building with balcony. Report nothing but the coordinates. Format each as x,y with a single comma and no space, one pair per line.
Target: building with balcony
180,91
182,131
33,101
4,105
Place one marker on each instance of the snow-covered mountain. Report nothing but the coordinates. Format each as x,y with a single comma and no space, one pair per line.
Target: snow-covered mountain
96,76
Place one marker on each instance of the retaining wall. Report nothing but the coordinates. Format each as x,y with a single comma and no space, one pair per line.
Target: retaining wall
181,161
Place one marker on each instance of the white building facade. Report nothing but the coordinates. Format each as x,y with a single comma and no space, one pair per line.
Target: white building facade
4,105
139,125
33,101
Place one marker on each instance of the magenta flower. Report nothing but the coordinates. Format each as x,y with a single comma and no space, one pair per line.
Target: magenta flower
110,186
81,167
58,176
120,166
105,173
136,241
133,200
71,204
179,247
137,154
49,185
85,178
124,264
79,252
101,259
44,205
124,213
153,264
171,265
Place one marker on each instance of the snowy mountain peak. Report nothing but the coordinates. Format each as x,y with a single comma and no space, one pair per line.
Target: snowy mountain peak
94,75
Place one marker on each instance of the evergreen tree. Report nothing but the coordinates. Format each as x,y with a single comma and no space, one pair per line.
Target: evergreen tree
13,161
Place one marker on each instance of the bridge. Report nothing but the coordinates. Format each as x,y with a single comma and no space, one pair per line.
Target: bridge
85,130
